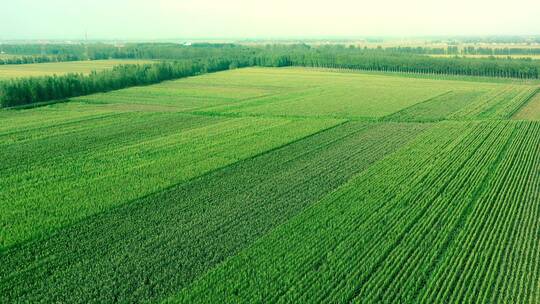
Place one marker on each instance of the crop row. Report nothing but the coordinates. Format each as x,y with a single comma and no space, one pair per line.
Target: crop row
406,269
495,257
307,244
152,247
437,108
499,103
531,110
508,109
56,175
510,104
381,238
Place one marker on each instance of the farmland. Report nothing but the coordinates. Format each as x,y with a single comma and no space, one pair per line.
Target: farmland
394,241
531,111
295,185
59,68
96,156
307,93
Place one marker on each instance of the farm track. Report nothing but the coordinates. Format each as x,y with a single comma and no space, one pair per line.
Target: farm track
147,249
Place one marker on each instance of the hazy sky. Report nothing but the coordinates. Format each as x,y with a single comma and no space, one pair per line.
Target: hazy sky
162,19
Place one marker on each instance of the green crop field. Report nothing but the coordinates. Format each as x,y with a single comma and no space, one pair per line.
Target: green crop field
59,68
531,111
267,185
309,93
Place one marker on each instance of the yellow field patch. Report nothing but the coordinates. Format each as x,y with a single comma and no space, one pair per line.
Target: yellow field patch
59,68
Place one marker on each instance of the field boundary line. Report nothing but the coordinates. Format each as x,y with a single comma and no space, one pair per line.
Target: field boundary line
66,123
36,105
277,116
241,103
525,103
386,117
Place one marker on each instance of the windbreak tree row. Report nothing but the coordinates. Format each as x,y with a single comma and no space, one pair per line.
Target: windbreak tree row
464,50
62,51
25,91
397,59
339,56
500,51
97,51
395,62
38,59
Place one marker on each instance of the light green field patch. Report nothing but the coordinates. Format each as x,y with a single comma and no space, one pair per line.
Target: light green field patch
60,68
437,108
292,92
334,94
326,93
72,165
181,95
531,111
51,115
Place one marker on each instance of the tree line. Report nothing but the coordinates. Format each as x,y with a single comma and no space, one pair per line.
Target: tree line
465,50
471,50
24,91
92,51
183,61
374,60
95,51
38,59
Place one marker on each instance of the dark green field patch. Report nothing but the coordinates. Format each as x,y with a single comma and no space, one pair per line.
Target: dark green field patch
154,246
437,108
500,103
57,175
450,218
